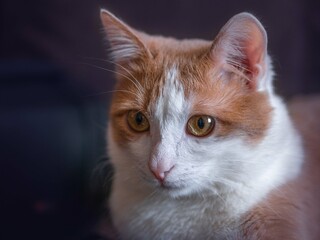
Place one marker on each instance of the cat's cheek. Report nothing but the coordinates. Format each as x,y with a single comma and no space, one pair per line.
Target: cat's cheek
140,148
133,157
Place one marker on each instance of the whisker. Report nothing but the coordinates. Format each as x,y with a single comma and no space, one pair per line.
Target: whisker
114,91
112,71
117,64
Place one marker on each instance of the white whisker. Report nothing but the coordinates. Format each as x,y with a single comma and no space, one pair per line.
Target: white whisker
140,90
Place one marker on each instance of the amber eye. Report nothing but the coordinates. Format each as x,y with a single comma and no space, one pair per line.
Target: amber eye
201,125
137,121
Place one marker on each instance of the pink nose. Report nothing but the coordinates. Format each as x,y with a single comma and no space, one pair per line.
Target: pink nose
160,173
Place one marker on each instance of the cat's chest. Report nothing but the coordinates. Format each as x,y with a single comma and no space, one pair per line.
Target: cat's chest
162,218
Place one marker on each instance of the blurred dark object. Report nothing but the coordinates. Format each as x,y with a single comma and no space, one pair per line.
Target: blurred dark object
53,118
50,141
53,102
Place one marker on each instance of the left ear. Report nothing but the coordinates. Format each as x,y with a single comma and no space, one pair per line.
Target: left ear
242,44
126,43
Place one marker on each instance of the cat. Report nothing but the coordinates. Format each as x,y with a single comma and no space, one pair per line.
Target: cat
201,145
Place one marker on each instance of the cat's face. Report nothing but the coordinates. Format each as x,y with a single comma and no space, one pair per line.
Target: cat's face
187,115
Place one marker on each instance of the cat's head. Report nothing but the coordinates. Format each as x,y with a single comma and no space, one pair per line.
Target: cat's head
189,116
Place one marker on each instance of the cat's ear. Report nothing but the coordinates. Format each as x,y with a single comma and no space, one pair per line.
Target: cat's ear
242,44
125,42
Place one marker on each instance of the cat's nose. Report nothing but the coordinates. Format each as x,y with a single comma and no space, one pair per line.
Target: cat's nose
160,171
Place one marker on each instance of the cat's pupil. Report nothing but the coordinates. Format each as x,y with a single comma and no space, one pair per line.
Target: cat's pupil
200,123
139,118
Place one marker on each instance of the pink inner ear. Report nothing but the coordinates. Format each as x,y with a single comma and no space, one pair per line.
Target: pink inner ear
255,49
242,44
254,57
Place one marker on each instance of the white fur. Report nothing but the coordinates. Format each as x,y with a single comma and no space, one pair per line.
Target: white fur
169,113
214,182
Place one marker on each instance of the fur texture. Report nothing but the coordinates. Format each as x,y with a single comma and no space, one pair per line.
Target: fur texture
213,185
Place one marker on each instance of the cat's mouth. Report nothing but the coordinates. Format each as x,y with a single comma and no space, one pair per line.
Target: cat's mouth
175,188
165,185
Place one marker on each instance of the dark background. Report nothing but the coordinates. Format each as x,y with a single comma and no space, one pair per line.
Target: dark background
53,101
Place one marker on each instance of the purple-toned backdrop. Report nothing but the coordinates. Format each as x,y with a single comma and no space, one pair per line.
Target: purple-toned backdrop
53,98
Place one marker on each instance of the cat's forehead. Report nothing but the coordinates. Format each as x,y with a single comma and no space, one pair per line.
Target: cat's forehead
184,61
184,64
172,98
171,47
146,79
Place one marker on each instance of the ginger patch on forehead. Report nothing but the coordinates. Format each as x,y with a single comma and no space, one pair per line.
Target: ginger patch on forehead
236,108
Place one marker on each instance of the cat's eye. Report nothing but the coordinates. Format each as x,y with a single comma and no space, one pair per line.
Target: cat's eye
137,121
201,125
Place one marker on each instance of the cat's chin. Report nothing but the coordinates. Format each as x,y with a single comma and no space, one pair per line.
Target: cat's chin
175,191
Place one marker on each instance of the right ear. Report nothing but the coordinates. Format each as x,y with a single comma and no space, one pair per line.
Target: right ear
242,43
126,45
